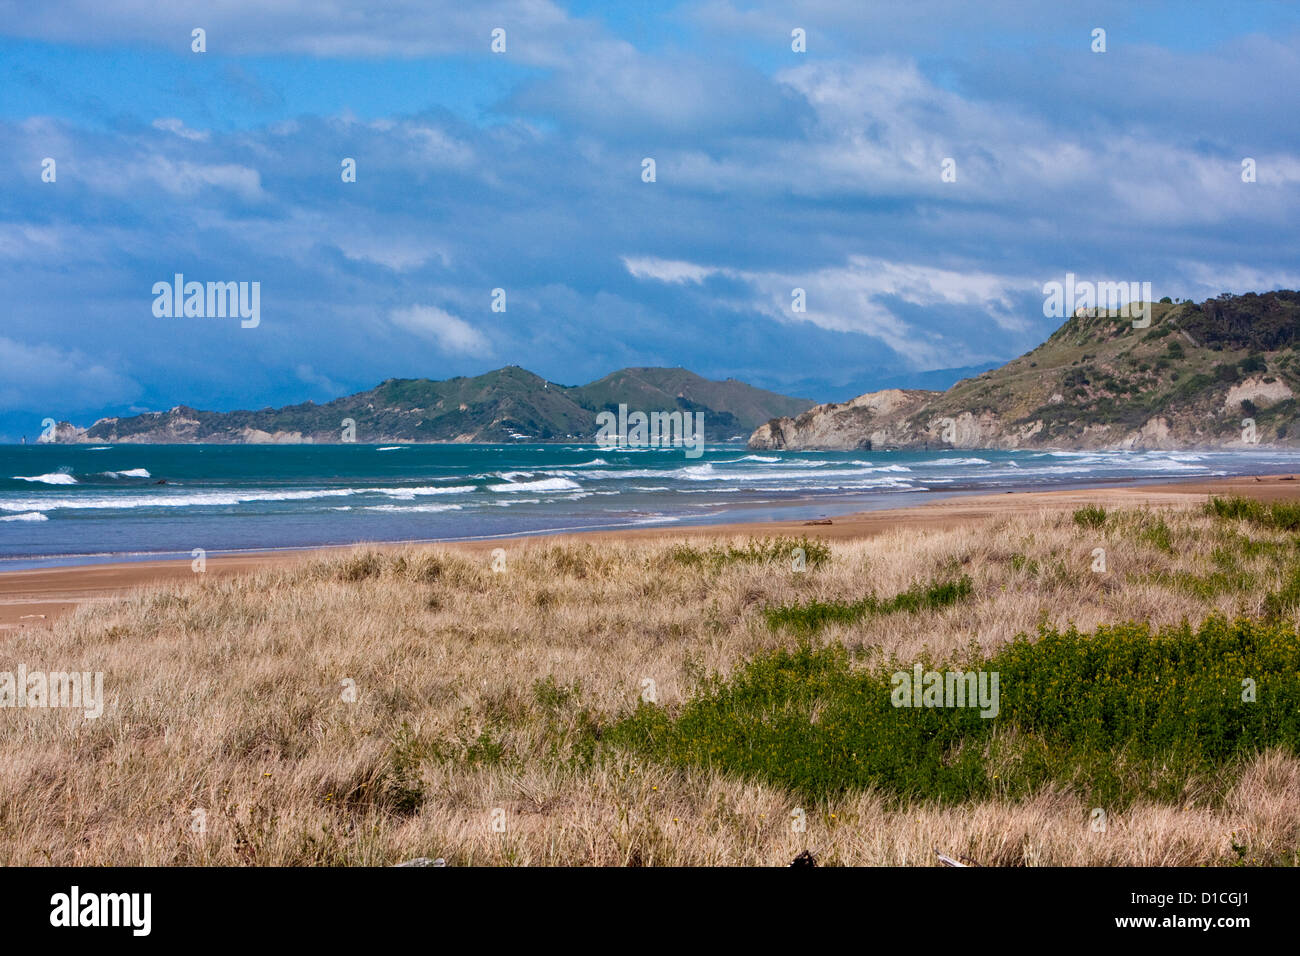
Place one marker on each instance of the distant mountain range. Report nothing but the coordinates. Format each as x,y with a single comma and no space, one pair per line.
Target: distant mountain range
1221,373
509,404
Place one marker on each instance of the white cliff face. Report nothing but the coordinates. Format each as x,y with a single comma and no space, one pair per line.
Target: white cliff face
868,421
1259,392
912,420
65,433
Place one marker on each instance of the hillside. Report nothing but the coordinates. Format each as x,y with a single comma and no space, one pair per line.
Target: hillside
1189,380
509,404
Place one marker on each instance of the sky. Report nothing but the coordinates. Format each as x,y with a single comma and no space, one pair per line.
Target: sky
775,169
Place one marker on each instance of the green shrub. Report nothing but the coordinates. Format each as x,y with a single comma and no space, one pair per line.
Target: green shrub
755,551
1157,533
1282,515
1090,517
817,614
1118,715
1286,599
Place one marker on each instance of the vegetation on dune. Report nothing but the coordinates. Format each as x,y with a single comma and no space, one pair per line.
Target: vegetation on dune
1090,517
1117,715
672,701
790,551
1282,515
815,615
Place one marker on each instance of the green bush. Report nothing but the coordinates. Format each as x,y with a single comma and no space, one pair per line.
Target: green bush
755,551
1118,715
1090,517
817,614
1282,515
1157,533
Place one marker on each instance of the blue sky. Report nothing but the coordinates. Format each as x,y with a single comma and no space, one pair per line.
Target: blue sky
775,170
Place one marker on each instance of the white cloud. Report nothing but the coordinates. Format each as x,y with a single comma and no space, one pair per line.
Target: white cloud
449,332
393,252
1213,278
848,298
170,124
538,31
186,178
178,177
667,270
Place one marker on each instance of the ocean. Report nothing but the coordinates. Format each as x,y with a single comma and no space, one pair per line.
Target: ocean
73,504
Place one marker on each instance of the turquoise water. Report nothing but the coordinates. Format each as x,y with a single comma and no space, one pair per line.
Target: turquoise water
64,504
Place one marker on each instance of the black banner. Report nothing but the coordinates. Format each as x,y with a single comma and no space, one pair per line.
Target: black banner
934,905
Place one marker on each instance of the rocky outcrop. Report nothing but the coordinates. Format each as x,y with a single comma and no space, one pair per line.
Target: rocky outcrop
868,421
254,436
62,432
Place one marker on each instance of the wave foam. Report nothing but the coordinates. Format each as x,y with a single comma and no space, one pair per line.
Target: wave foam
545,484
412,509
53,478
423,490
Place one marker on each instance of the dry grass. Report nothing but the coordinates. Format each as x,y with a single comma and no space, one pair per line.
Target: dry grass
477,691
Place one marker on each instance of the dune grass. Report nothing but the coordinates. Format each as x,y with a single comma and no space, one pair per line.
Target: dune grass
815,615
1282,515
378,705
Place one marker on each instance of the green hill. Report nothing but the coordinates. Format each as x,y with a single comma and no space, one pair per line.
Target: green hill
509,404
1201,375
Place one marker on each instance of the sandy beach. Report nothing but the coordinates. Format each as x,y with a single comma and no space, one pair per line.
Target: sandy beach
35,598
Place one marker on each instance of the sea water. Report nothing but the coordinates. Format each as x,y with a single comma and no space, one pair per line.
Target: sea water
68,504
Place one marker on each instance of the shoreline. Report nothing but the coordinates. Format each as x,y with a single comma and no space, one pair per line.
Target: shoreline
37,597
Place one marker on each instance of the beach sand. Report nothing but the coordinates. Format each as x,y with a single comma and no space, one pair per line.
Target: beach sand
35,598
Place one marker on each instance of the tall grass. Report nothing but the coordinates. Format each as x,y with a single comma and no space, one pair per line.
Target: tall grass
478,691
780,550
1281,515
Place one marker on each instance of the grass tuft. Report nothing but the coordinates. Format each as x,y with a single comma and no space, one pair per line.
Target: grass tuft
754,551
1282,515
815,615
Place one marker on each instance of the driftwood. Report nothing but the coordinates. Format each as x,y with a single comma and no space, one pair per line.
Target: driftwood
963,861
